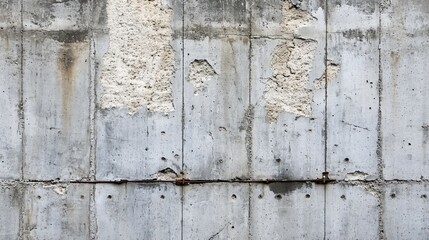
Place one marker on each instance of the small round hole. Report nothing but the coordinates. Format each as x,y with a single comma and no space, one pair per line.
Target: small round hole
343,197
346,159
39,197
424,196
278,197
260,196
163,158
162,196
82,196
234,196
392,195
307,195
109,196
278,160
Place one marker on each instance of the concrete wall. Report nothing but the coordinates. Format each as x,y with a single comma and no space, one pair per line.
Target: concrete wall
214,119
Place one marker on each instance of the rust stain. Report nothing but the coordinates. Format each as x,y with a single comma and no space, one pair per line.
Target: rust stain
66,63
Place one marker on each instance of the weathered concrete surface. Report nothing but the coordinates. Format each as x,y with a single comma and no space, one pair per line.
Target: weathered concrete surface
351,212
56,211
138,211
404,57
406,210
56,105
289,108
352,102
227,92
286,211
10,75
10,197
204,208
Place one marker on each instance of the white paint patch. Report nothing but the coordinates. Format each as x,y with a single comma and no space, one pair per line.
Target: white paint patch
356,176
200,73
138,67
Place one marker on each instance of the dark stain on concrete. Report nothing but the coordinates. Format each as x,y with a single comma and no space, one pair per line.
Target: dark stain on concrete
287,187
365,6
69,36
360,35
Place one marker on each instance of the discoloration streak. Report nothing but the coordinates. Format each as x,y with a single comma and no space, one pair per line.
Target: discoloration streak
139,65
67,58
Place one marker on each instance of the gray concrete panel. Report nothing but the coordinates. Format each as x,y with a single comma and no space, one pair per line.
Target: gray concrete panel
56,211
56,103
216,122
10,97
351,212
204,208
288,210
353,91
406,210
138,211
404,61
10,207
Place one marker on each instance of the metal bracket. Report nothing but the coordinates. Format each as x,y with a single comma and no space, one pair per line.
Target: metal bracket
325,179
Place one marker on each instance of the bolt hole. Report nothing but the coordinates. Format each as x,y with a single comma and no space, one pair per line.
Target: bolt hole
82,196
163,158
278,160
346,159
307,195
109,196
232,226
146,149
39,197
343,197
260,196
162,196
278,197
424,196
162,132
233,196
393,195
409,144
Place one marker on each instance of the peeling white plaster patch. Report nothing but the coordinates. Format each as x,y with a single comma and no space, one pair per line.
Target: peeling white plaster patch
200,73
287,89
332,70
294,18
138,67
61,190
356,176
